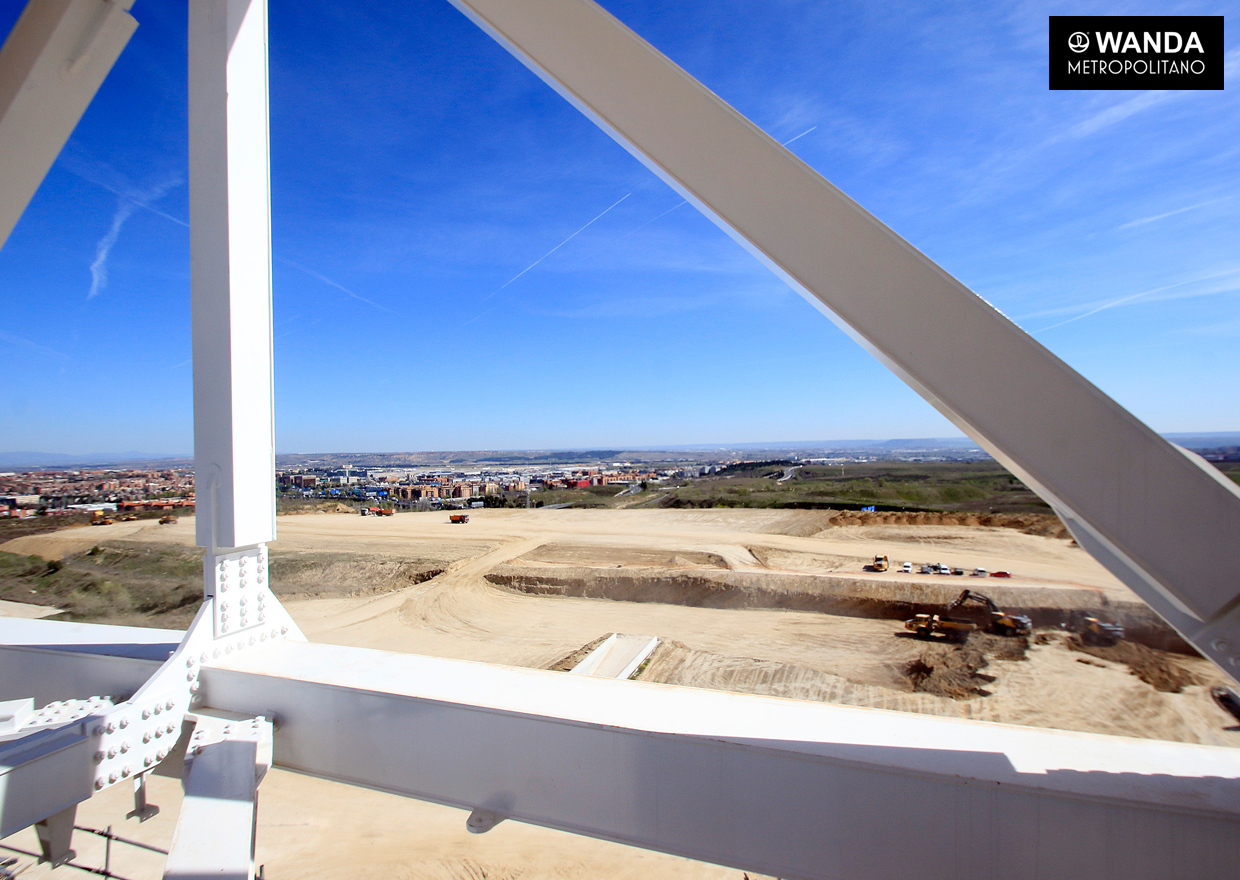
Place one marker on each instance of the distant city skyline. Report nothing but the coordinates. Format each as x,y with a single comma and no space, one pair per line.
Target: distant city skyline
20,459
462,261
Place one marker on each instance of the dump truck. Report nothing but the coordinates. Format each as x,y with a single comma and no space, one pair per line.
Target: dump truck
458,517
880,563
968,612
1093,630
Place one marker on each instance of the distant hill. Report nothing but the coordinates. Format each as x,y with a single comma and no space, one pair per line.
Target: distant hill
951,446
10,460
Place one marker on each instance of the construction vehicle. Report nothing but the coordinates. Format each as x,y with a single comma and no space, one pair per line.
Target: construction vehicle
458,517
99,518
1092,630
956,623
880,563
167,520
129,517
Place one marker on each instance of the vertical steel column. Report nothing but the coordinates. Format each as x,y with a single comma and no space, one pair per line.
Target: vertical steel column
230,248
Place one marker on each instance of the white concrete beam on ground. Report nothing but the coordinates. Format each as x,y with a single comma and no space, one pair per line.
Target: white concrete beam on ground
618,656
228,756
230,255
51,65
1162,520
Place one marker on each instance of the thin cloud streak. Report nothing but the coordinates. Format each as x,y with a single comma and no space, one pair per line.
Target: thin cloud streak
1157,217
125,207
539,260
321,277
798,137
108,178
22,342
553,250
1120,112
1135,296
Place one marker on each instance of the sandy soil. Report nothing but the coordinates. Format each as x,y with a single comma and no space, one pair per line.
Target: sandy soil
796,654
25,609
312,829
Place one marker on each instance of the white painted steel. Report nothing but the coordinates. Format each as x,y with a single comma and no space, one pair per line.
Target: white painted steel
1161,519
51,65
78,744
42,774
787,788
226,760
15,714
56,836
230,252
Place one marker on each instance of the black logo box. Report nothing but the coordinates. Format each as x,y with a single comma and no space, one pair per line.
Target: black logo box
1096,52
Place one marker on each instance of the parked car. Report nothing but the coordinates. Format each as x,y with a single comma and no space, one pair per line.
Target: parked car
927,568
958,571
907,568
1000,574
979,573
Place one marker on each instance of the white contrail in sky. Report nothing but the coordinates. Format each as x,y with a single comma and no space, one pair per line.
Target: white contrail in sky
540,259
337,285
1123,299
556,248
126,204
798,137
1156,217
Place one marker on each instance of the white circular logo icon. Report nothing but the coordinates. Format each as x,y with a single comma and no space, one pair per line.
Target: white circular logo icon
1079,41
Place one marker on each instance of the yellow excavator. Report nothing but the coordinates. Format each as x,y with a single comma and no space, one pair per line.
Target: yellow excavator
956,623
1092,630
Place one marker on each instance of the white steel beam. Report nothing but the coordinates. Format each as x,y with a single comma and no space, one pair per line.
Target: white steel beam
227,757
782,787
787,788
230,253
51,65
1161,519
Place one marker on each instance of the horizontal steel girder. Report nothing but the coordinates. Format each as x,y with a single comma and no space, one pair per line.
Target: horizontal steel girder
782,787
1161,519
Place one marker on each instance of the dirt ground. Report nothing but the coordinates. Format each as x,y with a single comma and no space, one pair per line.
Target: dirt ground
351,583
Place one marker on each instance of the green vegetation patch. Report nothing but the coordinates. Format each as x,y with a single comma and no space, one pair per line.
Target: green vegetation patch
980,486
133,584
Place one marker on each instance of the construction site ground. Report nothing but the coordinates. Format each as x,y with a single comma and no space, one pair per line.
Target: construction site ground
753,601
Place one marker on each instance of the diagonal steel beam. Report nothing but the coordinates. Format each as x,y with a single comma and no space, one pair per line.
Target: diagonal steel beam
51,65
1161,519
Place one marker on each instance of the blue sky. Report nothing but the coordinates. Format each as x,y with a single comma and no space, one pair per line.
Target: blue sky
418,169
